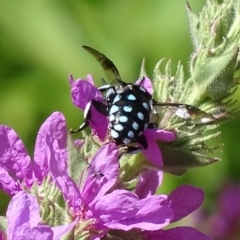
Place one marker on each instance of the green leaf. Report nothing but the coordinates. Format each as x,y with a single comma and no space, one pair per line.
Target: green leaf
178,161
225,81
209,76
76,160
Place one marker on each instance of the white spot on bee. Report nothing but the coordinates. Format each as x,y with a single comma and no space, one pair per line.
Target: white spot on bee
110,92
127,108
111,118
117,98
140,115
131,134
114,133
145,105
123,119
118,127
131,97
126,140
135,125
113,109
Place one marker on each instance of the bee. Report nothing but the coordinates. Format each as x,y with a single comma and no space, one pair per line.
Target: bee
129,107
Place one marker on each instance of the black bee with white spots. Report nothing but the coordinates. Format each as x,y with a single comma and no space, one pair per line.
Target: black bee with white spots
129,107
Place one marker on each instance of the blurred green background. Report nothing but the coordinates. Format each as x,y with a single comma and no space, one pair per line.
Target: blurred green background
40,45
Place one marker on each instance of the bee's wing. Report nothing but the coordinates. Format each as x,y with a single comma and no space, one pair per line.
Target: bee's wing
188,112
110,69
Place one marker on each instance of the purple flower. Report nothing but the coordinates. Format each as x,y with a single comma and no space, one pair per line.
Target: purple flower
24,222
177,233
83,91
17,171
102,206
225,222
99,206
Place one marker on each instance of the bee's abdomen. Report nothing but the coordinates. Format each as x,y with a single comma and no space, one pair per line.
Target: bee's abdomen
128,118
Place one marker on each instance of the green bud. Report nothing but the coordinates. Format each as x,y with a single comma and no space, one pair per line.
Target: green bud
214,75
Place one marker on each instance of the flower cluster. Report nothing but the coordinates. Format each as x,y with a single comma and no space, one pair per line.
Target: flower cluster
96,203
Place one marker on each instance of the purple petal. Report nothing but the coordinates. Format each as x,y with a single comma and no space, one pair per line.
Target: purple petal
3,235
59,231
13,155
53,129
58,172
8,184
102,174
148,183
147,84
82,93
38,233
124,211
184,200
160,134
116,205
24,220
105,161
153,152
90,79
178,233
22,214
92,187
229,202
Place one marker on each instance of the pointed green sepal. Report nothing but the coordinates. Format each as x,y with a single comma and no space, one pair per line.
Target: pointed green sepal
143,72
193,22
3,224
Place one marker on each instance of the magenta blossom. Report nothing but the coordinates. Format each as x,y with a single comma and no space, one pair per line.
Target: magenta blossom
177,233
17,171
96,206
224,223
101,206
83,91
24,222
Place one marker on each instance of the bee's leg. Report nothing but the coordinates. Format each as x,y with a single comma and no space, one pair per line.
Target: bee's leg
143,141
102,108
